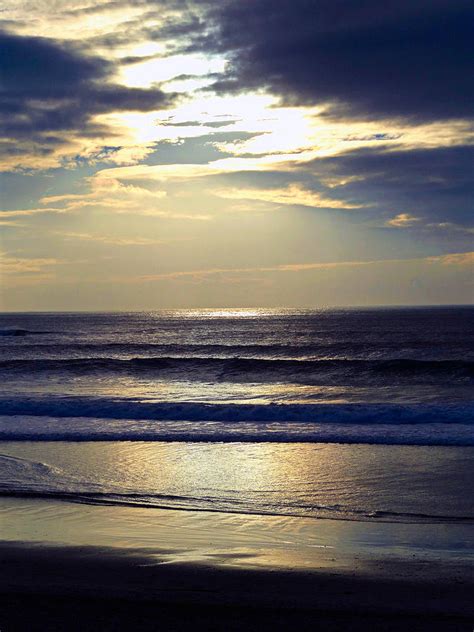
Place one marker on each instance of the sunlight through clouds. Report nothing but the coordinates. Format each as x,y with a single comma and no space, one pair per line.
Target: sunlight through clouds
236,132
146,73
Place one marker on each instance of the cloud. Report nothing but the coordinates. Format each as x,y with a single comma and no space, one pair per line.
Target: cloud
369,59
11,223
436,184
107,193
111,240
17,265
450,227
377,182
52,95
297,267
462,259
30,211
293,195
403,220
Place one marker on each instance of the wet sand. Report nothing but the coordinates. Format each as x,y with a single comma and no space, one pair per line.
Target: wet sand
166,570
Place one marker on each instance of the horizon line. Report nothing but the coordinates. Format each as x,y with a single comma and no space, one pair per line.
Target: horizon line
242,308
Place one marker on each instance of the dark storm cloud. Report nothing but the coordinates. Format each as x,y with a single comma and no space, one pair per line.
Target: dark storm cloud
47,90
410,58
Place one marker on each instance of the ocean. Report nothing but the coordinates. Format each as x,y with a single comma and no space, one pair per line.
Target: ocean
358,414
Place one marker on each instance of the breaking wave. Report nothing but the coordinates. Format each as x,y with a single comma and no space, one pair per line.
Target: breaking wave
103,419
116,408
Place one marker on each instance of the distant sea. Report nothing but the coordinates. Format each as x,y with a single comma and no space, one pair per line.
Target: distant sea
330,412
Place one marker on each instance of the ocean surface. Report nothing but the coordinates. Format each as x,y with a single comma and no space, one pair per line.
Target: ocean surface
293,412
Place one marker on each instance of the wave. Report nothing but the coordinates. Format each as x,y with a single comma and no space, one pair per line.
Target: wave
35,467
102,419
123,408
345,348
14,332
457,435
226,368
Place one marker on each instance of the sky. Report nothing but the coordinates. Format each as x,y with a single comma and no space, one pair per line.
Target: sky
235,153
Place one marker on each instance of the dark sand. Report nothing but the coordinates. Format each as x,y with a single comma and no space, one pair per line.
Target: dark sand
97,588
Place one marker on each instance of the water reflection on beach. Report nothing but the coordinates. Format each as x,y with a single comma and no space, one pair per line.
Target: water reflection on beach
249,541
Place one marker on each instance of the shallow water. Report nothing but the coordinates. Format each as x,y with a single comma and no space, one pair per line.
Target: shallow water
350,482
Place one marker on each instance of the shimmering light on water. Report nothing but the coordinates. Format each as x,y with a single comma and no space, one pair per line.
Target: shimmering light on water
350,482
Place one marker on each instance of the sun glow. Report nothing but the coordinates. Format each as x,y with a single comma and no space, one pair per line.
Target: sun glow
161,69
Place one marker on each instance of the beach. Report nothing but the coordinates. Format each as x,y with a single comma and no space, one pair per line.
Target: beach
174,570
